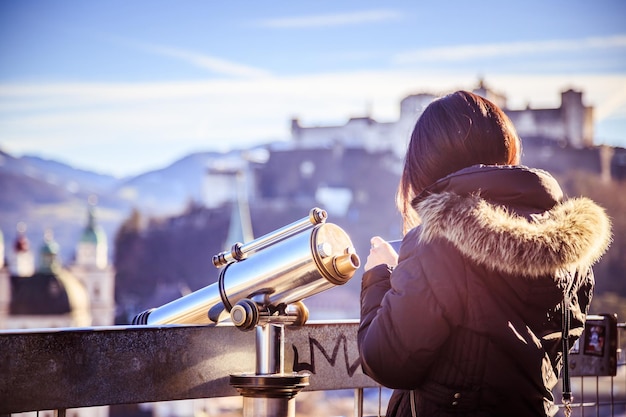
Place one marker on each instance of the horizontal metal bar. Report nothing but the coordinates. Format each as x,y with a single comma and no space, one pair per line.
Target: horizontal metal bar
316,216
49,369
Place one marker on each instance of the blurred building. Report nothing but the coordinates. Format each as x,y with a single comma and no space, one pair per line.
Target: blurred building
46,294
571,124
39,292
91,268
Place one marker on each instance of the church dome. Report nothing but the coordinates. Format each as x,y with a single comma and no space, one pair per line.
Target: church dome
47,293
51,290
41,294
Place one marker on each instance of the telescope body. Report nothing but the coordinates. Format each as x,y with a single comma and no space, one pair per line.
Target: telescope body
299,266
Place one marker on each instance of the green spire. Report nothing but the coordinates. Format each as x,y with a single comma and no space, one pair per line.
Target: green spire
48,253
93,233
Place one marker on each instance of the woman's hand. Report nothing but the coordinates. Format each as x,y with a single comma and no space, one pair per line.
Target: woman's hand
381,252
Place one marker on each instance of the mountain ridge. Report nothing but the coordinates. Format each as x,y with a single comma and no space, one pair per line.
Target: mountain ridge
45,194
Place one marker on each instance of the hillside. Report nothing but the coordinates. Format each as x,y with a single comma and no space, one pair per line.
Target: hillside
45,194
191,238
165,233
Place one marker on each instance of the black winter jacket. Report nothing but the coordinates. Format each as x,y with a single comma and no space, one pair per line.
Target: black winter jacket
470,317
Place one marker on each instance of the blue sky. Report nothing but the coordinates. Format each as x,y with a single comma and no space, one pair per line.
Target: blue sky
121,87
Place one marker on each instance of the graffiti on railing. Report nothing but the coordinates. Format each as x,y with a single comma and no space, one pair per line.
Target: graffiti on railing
314,345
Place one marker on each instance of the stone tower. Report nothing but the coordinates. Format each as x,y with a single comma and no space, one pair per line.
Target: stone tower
92,268
21,260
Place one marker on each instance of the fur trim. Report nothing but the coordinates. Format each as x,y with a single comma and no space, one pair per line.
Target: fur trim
575,233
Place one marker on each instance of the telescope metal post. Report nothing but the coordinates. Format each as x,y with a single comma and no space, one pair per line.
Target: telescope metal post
270,392
270,349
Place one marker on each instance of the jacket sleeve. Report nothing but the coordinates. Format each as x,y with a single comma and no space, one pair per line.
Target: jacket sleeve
403,323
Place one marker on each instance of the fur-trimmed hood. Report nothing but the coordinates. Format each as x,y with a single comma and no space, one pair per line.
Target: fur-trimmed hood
508,236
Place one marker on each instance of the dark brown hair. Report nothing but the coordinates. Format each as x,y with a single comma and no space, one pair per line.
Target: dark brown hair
454,132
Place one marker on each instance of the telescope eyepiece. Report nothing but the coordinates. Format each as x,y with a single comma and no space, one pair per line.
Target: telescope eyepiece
346,264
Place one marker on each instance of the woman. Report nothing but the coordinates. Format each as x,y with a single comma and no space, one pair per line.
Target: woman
467,319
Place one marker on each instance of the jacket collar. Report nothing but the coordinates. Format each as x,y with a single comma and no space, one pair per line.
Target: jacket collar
512,185
515,223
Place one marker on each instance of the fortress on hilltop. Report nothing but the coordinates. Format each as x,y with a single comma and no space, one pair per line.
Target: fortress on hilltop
570,125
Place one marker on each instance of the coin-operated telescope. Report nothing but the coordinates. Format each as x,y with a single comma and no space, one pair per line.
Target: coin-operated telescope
265,280
261,286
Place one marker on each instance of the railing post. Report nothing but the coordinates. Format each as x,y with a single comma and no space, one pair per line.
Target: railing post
358,402
269,392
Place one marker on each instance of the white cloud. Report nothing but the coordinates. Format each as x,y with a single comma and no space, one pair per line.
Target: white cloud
339,19
467,52
155,122
318,96
213,64
210,63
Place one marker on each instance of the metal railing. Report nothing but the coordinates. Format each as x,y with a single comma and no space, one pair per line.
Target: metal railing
62,369
598,366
